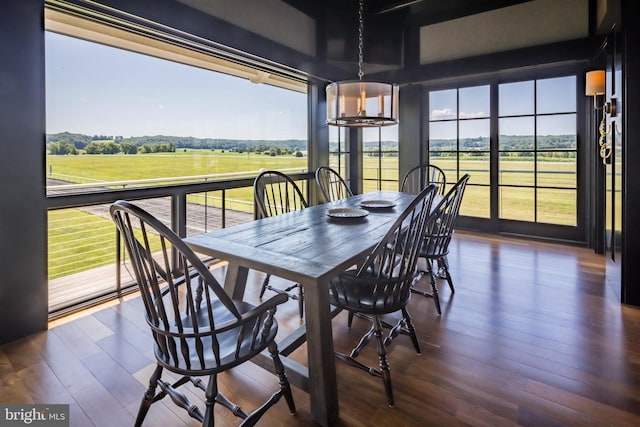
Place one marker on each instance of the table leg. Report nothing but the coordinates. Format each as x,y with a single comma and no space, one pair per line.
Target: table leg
235,281
322,368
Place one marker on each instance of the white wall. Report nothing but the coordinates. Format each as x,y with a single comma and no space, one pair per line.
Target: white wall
272,19
527,24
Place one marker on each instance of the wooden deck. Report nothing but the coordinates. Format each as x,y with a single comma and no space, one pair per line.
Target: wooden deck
79,287
531,337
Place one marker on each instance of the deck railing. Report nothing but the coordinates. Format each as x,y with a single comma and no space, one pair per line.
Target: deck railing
85,256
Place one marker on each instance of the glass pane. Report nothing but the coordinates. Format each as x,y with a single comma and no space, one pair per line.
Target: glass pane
516,99
448,162
557,169
516,133
475,202
389,186
516,203
163,130
557,95
443,136
474,102
557,132
443,105
474,135
389,164
557,206
369,185
337,139
516,171
476,164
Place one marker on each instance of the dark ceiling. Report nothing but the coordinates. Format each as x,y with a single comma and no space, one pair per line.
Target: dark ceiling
385,24
401,12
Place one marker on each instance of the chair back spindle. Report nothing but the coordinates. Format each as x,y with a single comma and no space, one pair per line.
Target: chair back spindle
418,178
332,186
276,193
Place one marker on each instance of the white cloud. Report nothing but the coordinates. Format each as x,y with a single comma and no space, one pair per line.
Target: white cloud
448,113
464,115
445,113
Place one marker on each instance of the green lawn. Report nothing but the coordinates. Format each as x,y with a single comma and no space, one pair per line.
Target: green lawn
79,240
121,167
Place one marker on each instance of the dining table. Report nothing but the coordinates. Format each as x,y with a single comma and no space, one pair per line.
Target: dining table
309,247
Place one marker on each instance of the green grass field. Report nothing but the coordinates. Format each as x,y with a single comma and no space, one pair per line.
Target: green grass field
120,167
72,248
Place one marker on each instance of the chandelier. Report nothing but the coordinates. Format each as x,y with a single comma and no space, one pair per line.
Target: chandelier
361,103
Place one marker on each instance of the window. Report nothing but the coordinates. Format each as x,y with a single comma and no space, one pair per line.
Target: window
380,158
459,143
537,148
116,115
523,158
124,110
338,152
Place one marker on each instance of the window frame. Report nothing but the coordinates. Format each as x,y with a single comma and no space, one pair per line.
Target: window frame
584,157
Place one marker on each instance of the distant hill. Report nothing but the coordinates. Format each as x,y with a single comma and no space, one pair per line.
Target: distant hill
508,142
80,141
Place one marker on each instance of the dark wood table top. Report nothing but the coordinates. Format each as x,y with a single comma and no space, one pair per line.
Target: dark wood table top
307,244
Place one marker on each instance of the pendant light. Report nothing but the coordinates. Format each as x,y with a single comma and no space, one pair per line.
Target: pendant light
361,103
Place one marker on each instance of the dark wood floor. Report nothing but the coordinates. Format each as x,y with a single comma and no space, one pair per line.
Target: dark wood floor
531,337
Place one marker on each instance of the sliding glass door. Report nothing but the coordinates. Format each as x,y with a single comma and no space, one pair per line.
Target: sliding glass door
519,142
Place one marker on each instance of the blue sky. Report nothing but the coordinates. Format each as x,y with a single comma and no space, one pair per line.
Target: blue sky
98,90
553,95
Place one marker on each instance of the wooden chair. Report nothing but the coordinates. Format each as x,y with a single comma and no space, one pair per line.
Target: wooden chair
198,330
331,185
382,285
420,176
435,244
276,193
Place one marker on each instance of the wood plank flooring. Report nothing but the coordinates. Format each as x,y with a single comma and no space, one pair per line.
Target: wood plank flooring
531,337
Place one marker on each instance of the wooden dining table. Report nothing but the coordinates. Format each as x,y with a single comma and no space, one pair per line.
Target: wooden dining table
309,247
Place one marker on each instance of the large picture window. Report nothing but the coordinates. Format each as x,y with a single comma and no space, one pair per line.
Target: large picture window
537,148
523,158
125,111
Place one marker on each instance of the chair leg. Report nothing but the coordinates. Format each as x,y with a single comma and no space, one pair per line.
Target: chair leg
265,283
382,356
434,291
411,330
443,269
419,275
220,399
285,387
210,399
350,319
363,342
301,301
147,400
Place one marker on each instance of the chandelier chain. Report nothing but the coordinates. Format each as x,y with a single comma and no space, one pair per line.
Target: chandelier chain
360,39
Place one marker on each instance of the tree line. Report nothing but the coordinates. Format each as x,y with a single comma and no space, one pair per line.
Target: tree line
66,143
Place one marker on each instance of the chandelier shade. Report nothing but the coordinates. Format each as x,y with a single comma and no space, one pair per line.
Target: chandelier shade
360,103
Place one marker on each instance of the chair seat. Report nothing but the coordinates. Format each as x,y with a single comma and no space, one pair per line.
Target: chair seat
367,293
433,248
229,353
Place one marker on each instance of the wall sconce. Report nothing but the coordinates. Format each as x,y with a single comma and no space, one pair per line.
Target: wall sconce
595,86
